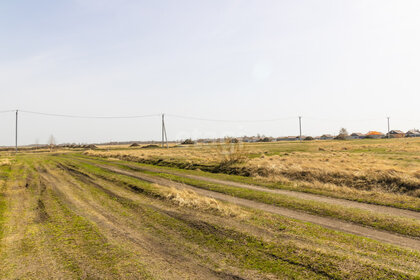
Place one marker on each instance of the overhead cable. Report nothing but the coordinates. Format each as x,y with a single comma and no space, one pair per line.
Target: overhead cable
90,117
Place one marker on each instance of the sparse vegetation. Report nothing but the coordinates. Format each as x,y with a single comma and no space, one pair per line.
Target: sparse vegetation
91,217
231,152
342,135
51,142
188,142
358,165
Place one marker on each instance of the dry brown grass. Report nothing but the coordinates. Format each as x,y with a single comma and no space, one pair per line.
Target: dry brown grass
190,199
98,229
231,153
5,161
366,165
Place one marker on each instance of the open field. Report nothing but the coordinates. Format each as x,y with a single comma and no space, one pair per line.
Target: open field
312,210
383,172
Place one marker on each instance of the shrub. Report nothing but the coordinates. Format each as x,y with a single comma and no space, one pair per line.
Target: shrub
342,135
231,152
265,139
188,142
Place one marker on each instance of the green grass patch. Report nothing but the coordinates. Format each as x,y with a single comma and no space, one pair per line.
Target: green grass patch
79,244
5,174
405,226
386,222
280,258
371,197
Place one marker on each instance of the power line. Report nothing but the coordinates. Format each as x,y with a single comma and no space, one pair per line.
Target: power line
406,120
7,111
231,121
196,118
335,119
89,117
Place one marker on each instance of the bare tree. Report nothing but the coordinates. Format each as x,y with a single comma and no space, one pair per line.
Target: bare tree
343,134
51,142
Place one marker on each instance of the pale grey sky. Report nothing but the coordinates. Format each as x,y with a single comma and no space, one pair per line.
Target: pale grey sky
337,63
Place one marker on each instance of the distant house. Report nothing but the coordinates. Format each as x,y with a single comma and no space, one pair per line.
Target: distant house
288,138
396,134
357,135
266,139
374,135
326,137
250,139
413,133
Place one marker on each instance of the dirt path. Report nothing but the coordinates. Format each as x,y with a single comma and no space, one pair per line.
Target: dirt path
64,219
25,241
123,230
300,195
323,221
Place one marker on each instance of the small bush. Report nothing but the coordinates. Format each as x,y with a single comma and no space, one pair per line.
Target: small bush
265,139
188,142
231,152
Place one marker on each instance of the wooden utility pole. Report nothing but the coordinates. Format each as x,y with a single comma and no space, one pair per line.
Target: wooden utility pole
388,128
300,128
164,136
16,132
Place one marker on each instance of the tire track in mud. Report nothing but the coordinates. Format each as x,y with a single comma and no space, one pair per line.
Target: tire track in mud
301,195
153,250
26,215
331,223
197,224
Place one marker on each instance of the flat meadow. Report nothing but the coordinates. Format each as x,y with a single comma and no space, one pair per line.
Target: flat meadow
357,169
280,210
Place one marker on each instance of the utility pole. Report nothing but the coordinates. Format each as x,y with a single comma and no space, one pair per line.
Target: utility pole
388,128
16,132
163,127
164,136
300,128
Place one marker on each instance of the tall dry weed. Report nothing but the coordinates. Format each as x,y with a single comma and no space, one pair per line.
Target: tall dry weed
5,161
190,199
231,152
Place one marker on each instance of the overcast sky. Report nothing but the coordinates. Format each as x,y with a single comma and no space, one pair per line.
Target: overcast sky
337,63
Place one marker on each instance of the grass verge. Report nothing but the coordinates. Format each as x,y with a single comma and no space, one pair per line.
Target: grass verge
283,258
377,197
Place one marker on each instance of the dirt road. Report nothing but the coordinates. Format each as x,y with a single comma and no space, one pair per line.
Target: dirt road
301,195
323,221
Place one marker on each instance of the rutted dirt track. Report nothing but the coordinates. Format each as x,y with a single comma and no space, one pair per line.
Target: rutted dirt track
55,244
323,221
121,231
65,219
307,196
